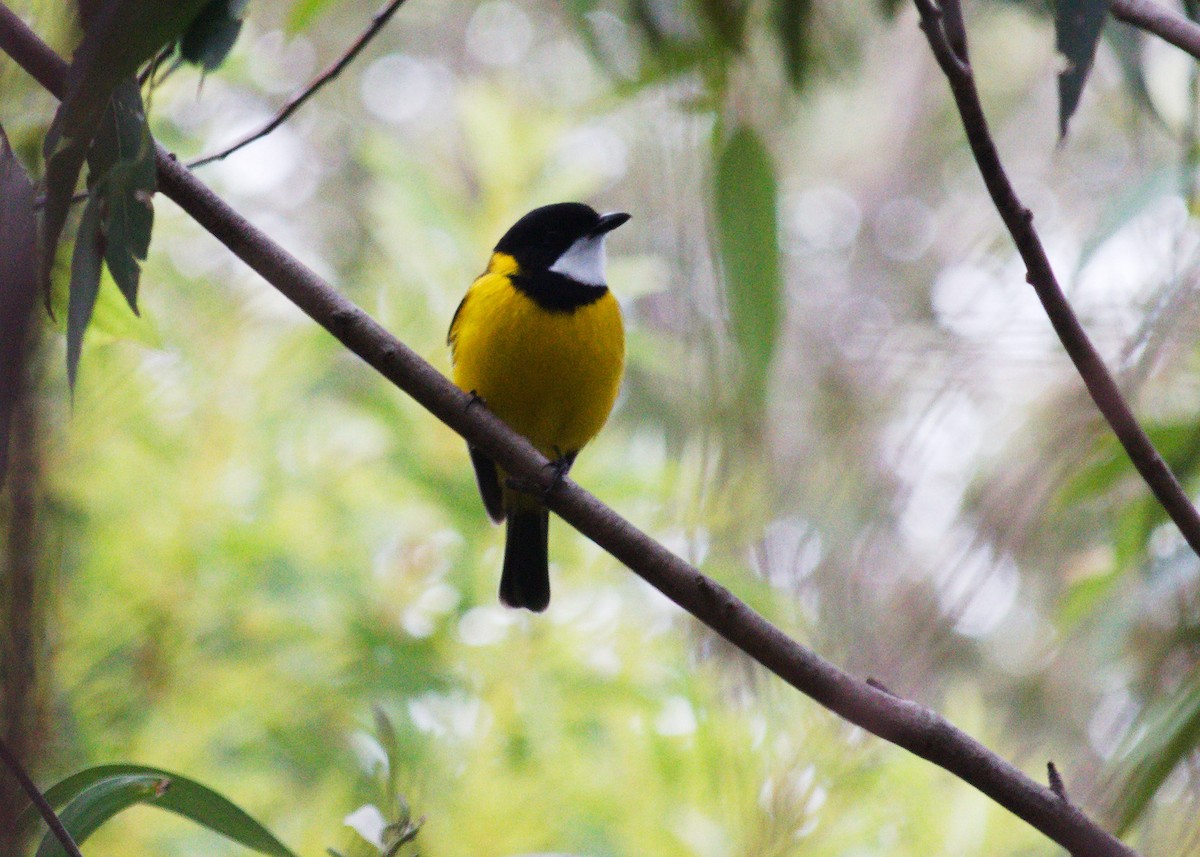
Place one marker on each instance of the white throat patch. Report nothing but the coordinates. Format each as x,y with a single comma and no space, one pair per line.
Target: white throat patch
583,261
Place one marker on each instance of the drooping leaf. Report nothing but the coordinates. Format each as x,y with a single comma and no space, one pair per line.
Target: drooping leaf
210,38
748,232
129,218
1077,27
118,36
98,803
121,170
793,29
18,281
183,796
1172,734
63,164
86,263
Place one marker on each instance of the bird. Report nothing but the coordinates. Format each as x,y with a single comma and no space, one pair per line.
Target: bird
540,341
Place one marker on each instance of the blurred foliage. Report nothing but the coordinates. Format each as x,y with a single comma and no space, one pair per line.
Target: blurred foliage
748,228
273,573
1174,733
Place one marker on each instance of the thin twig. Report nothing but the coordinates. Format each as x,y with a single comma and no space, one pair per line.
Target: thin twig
1019,220
1059,788
878,685
1154,18
148,73
38,799
378,22
1056,781
906,724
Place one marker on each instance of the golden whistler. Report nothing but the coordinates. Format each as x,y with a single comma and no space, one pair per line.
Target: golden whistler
539,338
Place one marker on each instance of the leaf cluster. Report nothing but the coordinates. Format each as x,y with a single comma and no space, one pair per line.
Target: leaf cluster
102,122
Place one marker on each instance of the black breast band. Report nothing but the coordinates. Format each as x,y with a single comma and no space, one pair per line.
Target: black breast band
556,292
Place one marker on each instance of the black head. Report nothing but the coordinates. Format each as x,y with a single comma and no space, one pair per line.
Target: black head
543,235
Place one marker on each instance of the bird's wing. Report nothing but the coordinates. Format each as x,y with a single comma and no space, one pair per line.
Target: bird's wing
452,333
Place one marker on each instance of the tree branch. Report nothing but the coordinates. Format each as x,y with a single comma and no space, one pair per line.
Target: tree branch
1019,220
904,723
297,101
1161,21
35,796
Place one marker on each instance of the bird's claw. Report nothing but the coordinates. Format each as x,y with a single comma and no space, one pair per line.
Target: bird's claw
560,467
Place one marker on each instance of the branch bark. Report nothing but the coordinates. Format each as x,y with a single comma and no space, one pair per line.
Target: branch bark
902,722
23,646
22,637
1161,21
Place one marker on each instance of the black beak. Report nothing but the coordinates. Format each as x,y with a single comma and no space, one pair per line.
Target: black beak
609,222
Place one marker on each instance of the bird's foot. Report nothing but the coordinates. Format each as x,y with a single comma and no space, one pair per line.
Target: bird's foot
559,466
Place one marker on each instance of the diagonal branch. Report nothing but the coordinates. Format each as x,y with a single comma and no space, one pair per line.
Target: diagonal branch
906,724
1155,18
954,60
378,22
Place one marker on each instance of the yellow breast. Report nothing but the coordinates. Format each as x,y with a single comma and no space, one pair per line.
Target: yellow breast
551,376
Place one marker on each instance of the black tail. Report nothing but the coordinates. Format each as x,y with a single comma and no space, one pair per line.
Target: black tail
525,581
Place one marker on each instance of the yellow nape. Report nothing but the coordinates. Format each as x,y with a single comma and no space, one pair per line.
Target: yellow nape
551,376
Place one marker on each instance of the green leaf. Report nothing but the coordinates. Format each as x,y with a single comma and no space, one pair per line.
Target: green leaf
85,282
1077,27
183,796
98,803
18,280
129,218
121,170
793,28
1172,734
748,231
210,38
